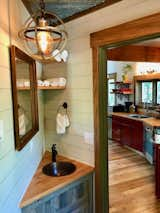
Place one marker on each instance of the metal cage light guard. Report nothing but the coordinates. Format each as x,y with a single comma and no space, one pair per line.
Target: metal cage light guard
43,35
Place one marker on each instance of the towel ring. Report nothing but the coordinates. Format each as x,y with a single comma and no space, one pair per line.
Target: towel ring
64,106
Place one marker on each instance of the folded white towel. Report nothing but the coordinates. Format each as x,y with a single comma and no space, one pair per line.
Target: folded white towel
54,84
62,81
27,83
40,83
23,83
20,84
57,81
62,121
49,82
46,83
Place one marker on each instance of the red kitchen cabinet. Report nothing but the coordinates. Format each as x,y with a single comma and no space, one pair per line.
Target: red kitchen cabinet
137,135
157,169
116,130
125,134
128,131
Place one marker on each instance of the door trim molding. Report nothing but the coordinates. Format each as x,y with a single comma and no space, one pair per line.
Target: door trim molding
136,30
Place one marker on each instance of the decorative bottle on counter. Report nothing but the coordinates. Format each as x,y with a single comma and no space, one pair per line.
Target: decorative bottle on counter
132,108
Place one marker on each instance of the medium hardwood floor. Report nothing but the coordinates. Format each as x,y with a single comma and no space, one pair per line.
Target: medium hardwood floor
131,182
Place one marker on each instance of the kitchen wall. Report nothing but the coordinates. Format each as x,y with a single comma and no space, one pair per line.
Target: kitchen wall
143,67
17,168
78,142
117,67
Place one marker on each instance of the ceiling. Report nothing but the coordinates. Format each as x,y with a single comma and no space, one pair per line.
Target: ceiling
68,9
150,42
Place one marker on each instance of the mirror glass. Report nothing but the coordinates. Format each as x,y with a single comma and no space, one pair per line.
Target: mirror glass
24,97
24,92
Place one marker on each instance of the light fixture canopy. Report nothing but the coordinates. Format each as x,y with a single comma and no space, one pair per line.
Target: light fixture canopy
43,35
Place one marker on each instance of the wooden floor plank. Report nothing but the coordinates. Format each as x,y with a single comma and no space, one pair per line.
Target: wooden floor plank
131,182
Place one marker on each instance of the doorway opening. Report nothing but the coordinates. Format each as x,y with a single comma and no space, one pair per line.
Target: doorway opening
132,107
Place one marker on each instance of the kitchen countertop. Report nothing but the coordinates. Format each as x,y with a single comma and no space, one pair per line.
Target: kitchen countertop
42,185
149,121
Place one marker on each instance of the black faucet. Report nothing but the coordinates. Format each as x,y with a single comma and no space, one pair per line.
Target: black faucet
54,153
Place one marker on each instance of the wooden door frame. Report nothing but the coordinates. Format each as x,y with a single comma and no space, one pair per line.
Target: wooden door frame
136,30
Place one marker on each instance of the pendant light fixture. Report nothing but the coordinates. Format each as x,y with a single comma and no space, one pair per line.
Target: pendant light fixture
44,35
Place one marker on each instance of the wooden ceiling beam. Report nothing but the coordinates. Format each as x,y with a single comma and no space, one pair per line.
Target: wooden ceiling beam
134,53
118,34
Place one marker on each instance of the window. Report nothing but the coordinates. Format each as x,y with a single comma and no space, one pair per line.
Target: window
158,92
111,97
111,85
147,92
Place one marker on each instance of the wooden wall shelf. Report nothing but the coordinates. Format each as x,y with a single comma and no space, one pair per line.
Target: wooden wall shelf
122,88
51,87
122,93
23,88
147,77
121,83
43,88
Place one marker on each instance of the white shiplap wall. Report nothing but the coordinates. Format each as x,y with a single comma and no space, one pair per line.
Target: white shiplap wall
16,168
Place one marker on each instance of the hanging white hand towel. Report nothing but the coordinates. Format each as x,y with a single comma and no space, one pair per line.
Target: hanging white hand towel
60,124
67,122
22,126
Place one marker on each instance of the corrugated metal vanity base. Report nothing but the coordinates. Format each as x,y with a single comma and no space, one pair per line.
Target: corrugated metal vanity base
75,198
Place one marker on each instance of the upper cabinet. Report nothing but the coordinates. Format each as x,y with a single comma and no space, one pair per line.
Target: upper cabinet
25,103
146,77
134,53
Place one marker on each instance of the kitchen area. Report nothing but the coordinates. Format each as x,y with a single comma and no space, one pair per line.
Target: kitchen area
133,73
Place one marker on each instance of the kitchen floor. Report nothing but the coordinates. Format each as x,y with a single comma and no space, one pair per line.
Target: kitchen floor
131,182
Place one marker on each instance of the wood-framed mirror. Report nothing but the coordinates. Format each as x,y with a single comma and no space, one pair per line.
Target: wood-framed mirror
24,95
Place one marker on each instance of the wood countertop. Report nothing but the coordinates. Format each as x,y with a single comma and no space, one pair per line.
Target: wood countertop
149,121
42,185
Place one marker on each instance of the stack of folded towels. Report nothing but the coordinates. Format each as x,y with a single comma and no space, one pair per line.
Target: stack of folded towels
52,82
23,83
